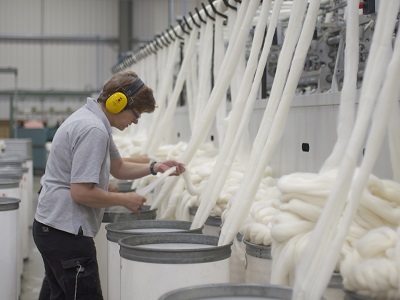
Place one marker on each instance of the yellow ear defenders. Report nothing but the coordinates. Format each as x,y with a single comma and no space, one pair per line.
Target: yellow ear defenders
118,101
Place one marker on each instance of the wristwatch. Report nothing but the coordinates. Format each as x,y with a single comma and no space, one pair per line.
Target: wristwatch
152,168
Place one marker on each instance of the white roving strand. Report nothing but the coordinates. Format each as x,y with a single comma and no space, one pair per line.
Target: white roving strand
167,118
386,102
219,52
315,268
242,26
258,162
162,92
146,190
205,60
371,269
305,194
224,161
191,91
347,100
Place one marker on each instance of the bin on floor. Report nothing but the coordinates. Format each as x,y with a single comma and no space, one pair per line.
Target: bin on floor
21,174
155,264
112,215
212,226
10,188
116,231
237,260
258,263
9,235
230,291
259,268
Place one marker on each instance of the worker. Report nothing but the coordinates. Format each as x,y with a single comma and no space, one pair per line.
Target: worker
74,189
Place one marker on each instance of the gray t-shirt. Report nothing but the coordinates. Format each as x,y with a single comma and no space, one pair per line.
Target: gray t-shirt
80,153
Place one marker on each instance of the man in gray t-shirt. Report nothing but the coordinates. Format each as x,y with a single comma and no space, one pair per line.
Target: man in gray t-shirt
74,187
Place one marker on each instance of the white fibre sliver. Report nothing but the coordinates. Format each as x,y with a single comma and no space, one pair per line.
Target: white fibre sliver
261,213
318,201
159,179
391,191
285,231
215,184
282,262
326,229
173,201
258,161
371,275
377,273
260,209
371,219
259,234
304,210
382,208
189,185
307,183
356,231
376,242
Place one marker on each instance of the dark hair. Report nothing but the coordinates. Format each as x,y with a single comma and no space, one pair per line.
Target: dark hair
143,100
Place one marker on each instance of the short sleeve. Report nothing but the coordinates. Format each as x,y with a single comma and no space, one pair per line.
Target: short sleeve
89,152
114,153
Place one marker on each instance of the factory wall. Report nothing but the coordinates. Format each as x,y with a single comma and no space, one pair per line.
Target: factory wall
63,51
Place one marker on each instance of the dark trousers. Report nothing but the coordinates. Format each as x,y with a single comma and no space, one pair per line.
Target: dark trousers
71,270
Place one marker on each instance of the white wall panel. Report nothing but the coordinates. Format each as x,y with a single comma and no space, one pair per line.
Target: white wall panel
154,16
147,20
70,67
312,119
81,17
26,58
20,17
84,65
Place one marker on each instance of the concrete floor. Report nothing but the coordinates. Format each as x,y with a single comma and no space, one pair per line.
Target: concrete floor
33,273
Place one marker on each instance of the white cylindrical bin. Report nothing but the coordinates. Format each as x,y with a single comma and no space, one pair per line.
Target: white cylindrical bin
212,225
116,231
110,216
230,291
20,174
22,147
237,260
155,264
10,188
259,267
9,234
258,263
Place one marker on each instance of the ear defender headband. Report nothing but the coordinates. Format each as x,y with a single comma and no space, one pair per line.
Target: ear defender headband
118,101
